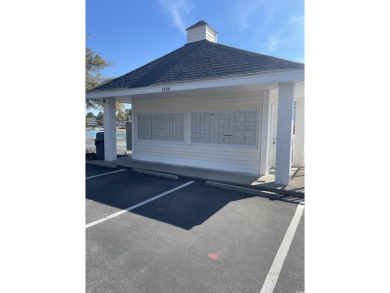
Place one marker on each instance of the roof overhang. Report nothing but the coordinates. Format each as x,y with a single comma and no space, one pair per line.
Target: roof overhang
267,80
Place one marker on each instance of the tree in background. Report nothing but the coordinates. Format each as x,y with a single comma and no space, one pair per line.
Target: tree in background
90,115
120,112
100,119
87,118
128,114
94,63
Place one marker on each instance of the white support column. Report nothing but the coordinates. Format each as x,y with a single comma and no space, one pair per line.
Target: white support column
109,130
133,121
284,133
265,134
299,138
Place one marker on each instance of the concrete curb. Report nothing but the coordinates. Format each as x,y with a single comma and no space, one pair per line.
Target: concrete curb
276,190
259,187
101,164
243,189
157,174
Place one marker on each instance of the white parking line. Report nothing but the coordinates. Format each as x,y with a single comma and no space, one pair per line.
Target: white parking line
273,274
137,205
106,173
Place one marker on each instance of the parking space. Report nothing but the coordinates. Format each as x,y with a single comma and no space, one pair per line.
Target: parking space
117,190
91,170
193,239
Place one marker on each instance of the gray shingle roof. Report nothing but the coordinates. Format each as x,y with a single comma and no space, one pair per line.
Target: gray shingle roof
197,61
199,23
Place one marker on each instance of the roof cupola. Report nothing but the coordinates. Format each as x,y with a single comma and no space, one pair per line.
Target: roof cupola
201,31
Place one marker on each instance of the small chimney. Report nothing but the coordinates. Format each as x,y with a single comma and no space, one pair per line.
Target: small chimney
201,31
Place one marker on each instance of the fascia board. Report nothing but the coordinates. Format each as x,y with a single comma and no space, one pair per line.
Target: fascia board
269,77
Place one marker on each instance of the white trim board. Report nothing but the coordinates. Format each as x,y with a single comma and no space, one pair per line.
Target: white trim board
257,79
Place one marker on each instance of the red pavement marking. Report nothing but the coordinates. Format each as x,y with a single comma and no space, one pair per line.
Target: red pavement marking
213,256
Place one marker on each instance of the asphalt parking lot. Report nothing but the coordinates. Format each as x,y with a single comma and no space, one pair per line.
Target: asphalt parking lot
183,236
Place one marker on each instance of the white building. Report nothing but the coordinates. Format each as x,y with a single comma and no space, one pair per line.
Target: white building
212,106
91,122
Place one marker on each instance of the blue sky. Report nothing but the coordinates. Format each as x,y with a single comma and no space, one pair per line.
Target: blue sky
133,33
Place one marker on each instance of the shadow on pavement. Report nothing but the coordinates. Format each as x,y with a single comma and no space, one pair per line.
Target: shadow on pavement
184,208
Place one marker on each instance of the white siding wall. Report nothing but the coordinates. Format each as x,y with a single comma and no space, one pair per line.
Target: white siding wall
211,35
196,34
236,158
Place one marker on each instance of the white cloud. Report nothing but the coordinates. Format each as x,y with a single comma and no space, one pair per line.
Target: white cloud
295,19
274,42
297,27
247,8
177,10
292,31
